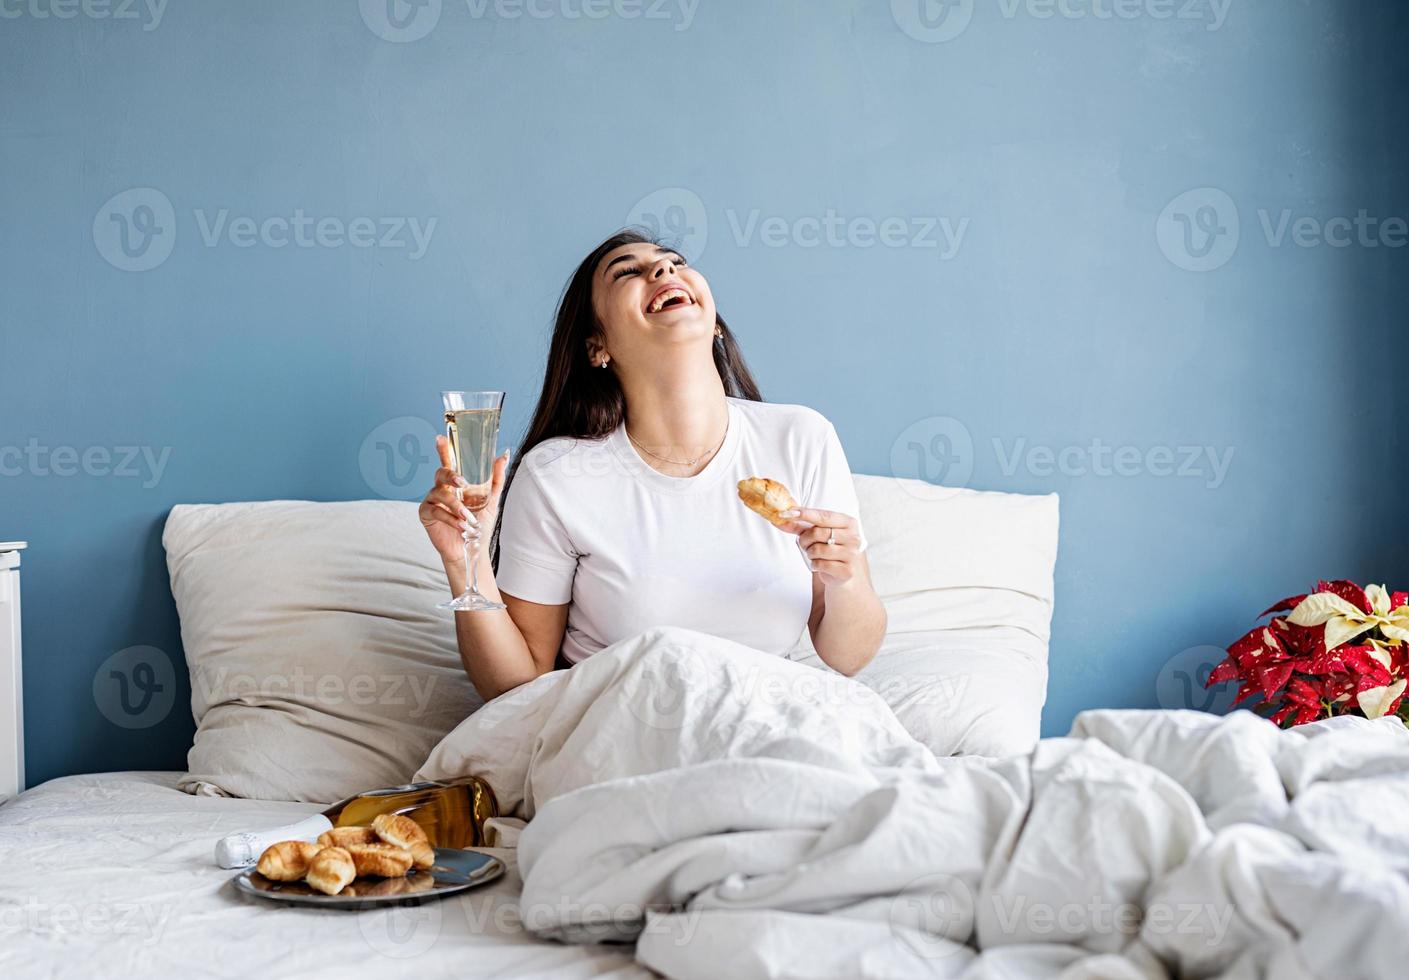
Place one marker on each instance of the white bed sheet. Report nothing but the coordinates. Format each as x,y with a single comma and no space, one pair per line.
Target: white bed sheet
111,875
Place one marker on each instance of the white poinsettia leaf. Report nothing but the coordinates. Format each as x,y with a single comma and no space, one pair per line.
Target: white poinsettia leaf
1379,599
1341,630
1316,609
1376,701
1395,631
1380,654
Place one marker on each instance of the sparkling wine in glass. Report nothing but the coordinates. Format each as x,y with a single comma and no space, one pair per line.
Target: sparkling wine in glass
472,425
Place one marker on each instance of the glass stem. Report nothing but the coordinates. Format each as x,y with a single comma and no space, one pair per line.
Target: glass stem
472,559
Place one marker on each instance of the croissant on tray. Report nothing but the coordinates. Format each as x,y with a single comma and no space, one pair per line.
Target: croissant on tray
347,836
332,869
401,830
398,829
388,849
380,860
287,860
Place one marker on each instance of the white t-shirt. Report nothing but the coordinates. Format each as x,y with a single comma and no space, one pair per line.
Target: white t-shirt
590,523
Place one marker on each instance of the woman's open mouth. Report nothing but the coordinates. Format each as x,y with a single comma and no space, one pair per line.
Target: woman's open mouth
670,297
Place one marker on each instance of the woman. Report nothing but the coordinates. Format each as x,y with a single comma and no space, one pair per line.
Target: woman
621,513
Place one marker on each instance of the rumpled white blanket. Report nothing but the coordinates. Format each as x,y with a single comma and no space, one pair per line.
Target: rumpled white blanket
738,815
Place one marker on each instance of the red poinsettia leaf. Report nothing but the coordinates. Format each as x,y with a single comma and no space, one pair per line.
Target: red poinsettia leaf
1369,683
1245,647
1283,714
1249,689
1306,641
1285,605
1398,599
1338,687
1306,716
1273,677
1328,662
1348,591
1257,646
1360,661
1303,693
1226,671
1357,658
1399,660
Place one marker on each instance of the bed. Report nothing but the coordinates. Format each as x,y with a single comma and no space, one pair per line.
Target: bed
808,836
693,808
307,688
111,875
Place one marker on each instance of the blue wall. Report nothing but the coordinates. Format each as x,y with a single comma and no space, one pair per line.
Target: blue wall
1064,305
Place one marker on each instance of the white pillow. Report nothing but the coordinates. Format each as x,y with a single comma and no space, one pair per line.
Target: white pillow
966,578
319,665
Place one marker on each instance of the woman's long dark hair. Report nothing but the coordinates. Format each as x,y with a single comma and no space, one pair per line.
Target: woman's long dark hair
589,404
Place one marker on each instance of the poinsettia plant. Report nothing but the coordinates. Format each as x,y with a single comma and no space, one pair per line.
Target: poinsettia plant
1340,650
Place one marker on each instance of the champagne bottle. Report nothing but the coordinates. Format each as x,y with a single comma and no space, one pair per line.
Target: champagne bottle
451,814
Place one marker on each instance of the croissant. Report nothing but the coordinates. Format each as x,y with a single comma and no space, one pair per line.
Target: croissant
343,836
398,829
287,860
332,869
765,497
381,860
422,856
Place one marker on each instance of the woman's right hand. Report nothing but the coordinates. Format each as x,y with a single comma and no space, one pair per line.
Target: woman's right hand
454,508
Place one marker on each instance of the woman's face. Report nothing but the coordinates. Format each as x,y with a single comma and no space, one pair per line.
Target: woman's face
646,299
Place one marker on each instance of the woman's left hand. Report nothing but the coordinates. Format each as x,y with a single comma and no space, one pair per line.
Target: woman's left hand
831,541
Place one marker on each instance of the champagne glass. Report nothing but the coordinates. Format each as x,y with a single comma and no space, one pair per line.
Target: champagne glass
472,426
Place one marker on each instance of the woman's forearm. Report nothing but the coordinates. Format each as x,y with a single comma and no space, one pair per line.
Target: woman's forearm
492,648
852,627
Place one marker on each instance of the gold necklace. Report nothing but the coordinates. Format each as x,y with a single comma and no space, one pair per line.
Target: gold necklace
678,462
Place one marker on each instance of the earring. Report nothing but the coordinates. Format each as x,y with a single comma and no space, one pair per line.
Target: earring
718,332
604,362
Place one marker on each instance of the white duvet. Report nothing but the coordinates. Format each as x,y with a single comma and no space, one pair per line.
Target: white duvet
738,815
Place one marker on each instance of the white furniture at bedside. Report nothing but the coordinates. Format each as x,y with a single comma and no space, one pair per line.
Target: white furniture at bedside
11,682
